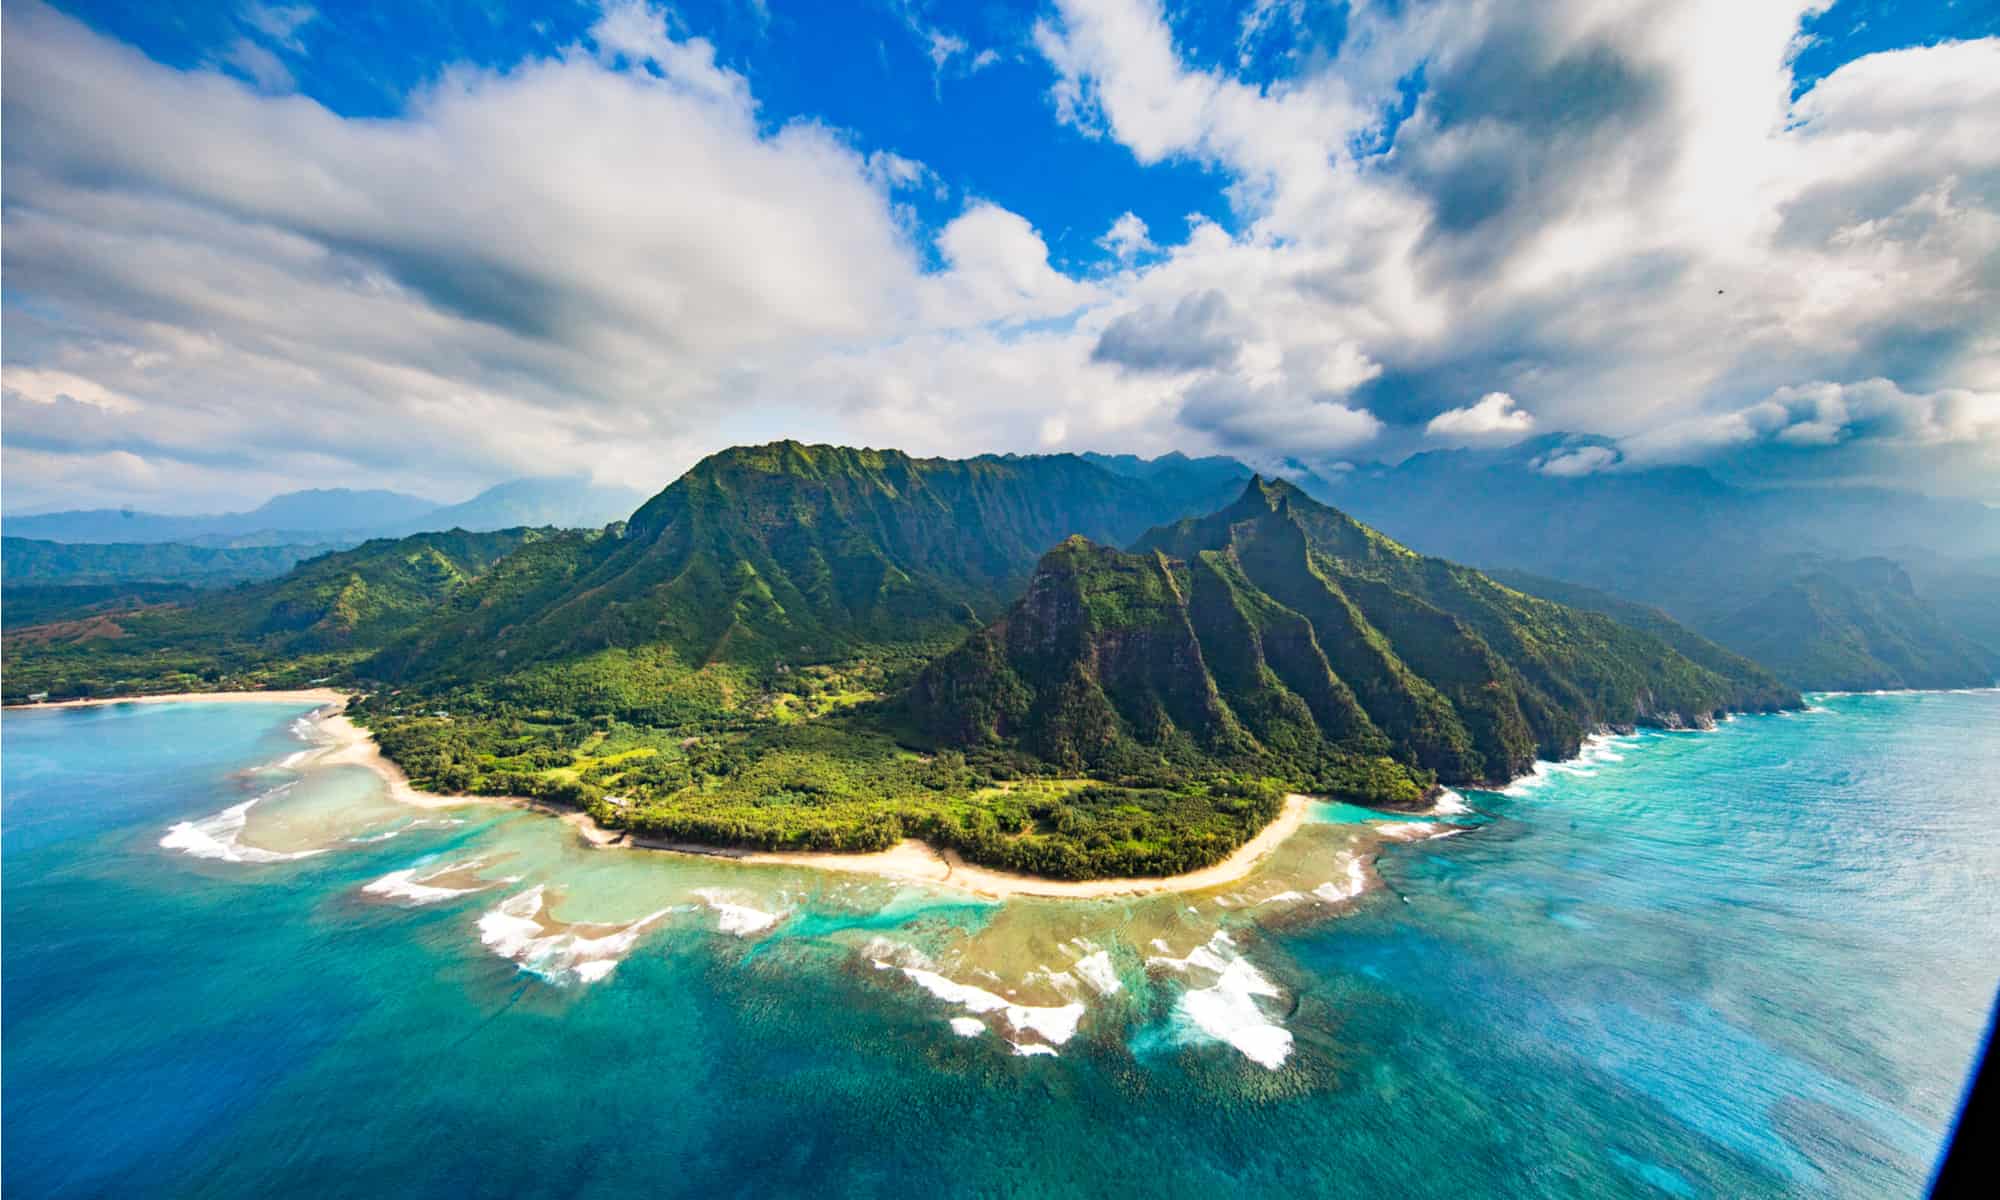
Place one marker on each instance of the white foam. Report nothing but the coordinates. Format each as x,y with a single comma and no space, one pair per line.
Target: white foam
1406,831
733,917
1450,804
1227,1009
885,954
220,836
1030,1049
1537,775
408,885
1061,981
1337,892
968,1026
1097,971
1283,898
514,931
1054,1024
363,839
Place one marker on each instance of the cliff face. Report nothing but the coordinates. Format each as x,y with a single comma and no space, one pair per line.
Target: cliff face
1099,655
1279,631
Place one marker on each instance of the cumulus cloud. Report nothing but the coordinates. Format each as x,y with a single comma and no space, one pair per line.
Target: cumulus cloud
1611,214
1616,212
1197,332
1495,419
1128,238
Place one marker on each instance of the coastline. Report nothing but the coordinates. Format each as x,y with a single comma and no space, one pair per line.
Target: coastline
294,696
909,861
914,861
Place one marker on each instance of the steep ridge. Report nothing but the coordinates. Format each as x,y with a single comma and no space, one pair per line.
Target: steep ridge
764,555
1759,684
1279,633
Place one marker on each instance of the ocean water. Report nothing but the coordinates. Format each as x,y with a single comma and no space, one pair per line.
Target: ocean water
1753,962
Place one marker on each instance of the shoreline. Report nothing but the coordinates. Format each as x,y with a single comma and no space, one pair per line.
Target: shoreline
321,696
915,861
910,861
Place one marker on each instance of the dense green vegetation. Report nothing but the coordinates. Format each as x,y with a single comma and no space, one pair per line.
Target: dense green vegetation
796,647
839,783
1858,626
318,621
31,561
1761,689
40,603
1791,577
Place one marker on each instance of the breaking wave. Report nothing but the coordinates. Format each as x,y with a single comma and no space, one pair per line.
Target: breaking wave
1227,1009
518,930
220,837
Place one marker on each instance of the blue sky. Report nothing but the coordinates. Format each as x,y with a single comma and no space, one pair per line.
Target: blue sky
242,239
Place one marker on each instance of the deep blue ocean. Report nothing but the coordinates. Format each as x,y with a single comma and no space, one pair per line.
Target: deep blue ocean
1752,962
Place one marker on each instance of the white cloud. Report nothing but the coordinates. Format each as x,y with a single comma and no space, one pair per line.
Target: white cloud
1128,238
1583,460
1494,419
279,23
1609,214
258,65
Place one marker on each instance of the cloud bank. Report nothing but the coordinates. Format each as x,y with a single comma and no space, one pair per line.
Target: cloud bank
1611,216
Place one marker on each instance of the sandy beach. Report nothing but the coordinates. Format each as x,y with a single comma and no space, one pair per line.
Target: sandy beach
298,696
920,862
911,860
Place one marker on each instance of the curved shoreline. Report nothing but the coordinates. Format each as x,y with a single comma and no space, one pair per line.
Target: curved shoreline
917,861
291,696
909,861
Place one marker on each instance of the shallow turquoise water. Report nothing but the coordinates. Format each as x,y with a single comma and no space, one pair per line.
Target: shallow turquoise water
1747,963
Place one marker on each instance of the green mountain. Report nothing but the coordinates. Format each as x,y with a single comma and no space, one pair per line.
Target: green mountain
33,561
1761,688
1776,573
1279,634
321,617
783,554
40,603
818,647
1857,626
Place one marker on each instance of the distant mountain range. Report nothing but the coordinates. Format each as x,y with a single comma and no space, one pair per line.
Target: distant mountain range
342,515
34,561
1783,575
